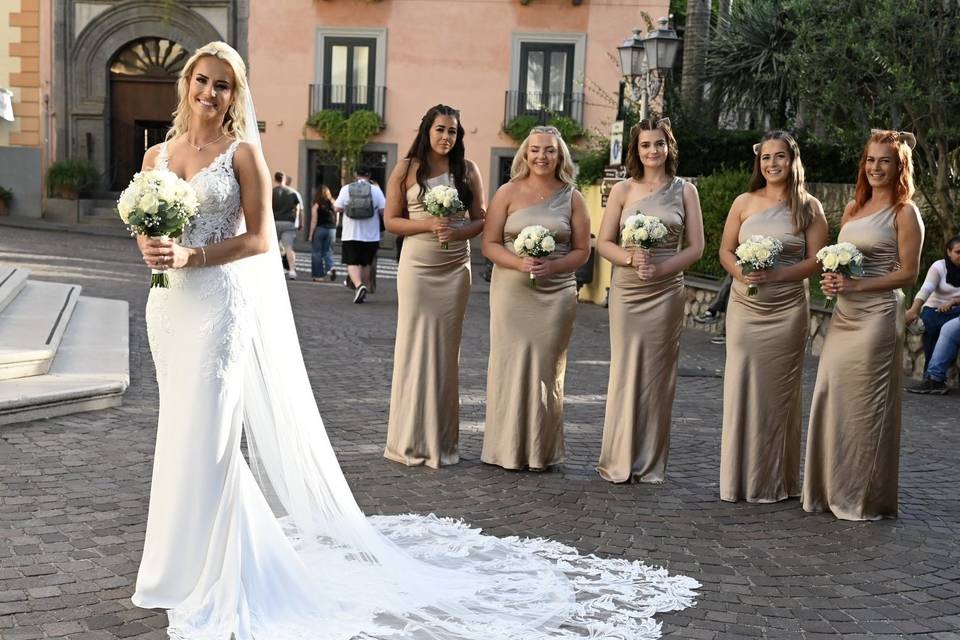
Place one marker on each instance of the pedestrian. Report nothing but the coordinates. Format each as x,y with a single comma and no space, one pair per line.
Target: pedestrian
530,326
361,204
288,182
938,300
323,235
286,205
767,332
433,286
716,311
853,439
646,305
944,356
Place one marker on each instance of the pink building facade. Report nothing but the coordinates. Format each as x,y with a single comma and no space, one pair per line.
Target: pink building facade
493,60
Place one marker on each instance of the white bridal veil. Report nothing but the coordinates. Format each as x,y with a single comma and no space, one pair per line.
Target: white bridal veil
419,577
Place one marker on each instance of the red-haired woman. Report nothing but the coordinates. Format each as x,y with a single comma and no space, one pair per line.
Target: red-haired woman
853,441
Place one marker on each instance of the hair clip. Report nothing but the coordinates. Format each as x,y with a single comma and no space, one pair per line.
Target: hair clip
905,137
756,148
661,121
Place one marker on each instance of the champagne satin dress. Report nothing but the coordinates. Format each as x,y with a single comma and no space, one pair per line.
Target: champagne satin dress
853,440
645,323
530,330
433,285
762,379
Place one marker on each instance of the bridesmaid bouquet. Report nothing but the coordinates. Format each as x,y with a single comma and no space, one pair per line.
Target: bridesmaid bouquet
642,232
843,258
756,254
535,241
442,202
158,204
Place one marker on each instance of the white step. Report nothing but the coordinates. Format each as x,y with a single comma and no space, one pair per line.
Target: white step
91,369
12,280
31,327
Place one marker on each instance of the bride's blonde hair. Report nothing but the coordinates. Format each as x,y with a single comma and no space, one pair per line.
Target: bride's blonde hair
566,170
234,121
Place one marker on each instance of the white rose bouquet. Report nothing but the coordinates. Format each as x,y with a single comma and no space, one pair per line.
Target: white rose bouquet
642,232
843,257
442,202
756,254
535,241
158,204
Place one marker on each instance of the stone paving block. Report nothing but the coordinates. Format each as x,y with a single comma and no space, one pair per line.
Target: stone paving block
74,493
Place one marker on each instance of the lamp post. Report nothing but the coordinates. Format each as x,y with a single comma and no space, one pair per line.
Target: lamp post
645,60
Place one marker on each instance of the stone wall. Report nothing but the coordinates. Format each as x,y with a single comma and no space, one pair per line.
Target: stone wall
700,292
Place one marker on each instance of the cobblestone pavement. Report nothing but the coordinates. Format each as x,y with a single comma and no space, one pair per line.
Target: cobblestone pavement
73,490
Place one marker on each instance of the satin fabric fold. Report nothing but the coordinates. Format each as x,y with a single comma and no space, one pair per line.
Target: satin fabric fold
433,287
762,378
530,331
853,439
646,318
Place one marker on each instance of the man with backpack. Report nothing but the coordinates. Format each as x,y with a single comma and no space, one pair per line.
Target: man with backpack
361,204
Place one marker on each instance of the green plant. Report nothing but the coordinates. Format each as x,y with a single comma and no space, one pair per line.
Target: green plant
519,127
591,161
71,178
6,195
346,136
717,193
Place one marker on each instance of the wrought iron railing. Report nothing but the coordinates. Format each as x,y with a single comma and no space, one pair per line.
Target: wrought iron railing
542,105
347,99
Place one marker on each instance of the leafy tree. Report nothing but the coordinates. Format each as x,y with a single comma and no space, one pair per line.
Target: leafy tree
747,59
346,136
888,64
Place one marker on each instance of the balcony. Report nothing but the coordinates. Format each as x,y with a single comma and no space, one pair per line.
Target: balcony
543,106
347,99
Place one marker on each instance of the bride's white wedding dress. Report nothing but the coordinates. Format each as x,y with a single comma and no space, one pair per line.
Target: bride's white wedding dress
222,563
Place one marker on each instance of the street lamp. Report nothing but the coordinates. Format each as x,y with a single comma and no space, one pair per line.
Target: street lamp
645,60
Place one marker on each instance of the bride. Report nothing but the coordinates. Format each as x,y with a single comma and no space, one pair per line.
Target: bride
228,363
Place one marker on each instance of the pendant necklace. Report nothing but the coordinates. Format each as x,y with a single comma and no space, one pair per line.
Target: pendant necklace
206,144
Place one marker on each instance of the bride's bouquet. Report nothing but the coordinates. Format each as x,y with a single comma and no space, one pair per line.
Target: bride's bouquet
642,232
535,241
756,254
442,202
843,258
157,204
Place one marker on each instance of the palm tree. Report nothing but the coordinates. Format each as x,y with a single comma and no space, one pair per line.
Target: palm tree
747,59
695,40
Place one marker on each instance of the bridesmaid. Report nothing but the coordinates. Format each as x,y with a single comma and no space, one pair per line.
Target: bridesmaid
530,328
433,285
853,440
767,333
646,305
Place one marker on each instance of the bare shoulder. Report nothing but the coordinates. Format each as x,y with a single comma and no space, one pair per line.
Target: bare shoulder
741,203
577,197
849,208
689,189
150,157
620,189
246,153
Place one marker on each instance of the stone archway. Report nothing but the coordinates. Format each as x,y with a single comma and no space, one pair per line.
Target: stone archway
96,47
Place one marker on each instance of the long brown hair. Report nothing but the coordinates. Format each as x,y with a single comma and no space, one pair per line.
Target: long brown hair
901,142
634,165
322,196
798,199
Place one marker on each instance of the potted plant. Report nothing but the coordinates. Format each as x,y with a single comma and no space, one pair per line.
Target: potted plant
5,196
70,179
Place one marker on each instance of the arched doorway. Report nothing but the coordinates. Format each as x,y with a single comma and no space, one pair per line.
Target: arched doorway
143,95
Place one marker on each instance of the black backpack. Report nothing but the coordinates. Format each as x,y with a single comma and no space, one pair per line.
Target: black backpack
360,206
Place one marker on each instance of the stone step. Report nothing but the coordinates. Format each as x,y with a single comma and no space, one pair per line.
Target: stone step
32,326
91,369
12,281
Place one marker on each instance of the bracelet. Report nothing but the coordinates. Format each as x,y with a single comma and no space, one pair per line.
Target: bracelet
203,252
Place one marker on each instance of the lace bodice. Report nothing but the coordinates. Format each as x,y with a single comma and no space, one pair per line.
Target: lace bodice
220,216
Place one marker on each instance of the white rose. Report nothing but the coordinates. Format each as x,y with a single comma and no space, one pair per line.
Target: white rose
831,262
548,244
518,245
126,204
844,256
642,234
763,254
529,244
148,203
